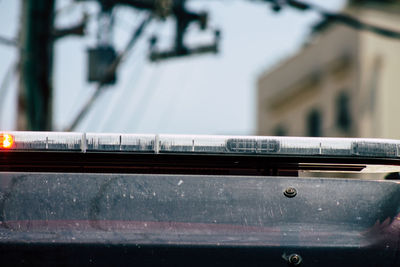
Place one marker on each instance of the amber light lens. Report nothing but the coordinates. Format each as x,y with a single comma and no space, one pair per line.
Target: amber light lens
6,141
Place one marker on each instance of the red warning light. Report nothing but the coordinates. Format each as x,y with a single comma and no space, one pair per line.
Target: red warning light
6,141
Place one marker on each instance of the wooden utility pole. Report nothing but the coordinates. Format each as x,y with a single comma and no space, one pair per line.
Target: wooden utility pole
35,66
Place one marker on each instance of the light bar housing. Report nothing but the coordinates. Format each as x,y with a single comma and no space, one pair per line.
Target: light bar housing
203,144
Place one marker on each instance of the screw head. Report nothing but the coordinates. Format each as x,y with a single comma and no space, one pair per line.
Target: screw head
294,259
290,192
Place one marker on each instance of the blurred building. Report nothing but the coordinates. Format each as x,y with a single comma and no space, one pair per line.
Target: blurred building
342,83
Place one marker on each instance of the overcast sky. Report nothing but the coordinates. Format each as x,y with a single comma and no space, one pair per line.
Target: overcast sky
208,94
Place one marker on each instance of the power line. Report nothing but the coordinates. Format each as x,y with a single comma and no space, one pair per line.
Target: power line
135,78
174,100
78,95
5,84
150,90
135,75
102,85
8,41
336,17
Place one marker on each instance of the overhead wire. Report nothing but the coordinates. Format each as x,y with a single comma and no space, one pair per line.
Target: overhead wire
135,75
5,84
149,90
12,69
339,17
136,68
84,10
102,84
155,73
9,41
121,21
174,99
135,78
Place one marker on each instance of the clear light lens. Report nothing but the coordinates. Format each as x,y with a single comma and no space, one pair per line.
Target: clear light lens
200,144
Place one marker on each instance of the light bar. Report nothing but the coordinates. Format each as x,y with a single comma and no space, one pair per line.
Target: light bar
199,144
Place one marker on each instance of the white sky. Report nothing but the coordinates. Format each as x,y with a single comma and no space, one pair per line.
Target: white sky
211,94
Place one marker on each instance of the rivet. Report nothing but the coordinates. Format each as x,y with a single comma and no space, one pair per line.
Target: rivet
290,192
294,260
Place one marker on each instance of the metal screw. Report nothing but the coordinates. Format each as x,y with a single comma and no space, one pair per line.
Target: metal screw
294,260
290,192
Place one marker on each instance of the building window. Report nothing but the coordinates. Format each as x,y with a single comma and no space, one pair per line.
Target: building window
314,124
343,117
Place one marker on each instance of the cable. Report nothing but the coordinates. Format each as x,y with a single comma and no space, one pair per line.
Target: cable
136,69
121,18
112,69
12,69
337,17
150,90
112,103
135,76
9,42
175,99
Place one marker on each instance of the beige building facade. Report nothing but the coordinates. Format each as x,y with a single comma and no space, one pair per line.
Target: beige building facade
343,83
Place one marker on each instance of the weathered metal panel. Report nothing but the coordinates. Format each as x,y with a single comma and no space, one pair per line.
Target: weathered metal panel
197,220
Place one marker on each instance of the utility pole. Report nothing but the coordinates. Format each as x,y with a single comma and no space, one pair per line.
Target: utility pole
37,37
36,42
35,66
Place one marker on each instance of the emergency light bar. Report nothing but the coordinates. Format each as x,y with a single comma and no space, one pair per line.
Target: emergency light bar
199,144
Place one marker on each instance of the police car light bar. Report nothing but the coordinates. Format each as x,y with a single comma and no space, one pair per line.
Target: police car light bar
374,155
199,144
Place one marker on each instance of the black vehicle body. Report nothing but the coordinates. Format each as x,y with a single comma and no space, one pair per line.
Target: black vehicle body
125,209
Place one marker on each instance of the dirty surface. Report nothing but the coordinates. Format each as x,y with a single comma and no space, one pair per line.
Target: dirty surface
71,219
